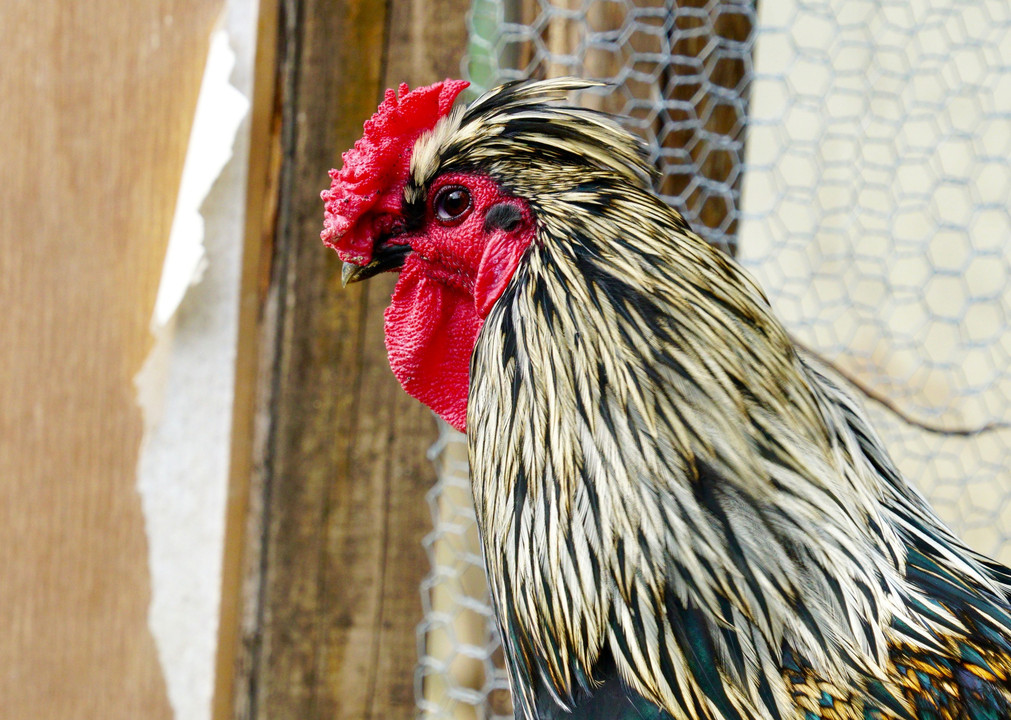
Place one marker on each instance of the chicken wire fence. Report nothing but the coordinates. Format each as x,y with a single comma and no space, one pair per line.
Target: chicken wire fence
854,156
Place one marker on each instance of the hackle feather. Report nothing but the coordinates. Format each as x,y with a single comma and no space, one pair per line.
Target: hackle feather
683,516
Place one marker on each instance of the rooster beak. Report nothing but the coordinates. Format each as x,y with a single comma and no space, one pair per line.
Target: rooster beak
386,258
352,273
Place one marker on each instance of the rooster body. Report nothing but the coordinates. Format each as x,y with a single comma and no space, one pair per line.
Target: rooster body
683,517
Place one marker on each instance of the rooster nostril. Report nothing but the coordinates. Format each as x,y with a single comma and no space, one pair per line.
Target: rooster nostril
502,216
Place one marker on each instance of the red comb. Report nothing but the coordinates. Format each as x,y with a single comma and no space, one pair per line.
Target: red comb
365,195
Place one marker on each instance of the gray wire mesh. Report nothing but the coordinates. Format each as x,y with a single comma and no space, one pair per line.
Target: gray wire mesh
853,154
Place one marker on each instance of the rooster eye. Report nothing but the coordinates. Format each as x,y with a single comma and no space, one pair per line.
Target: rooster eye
451,204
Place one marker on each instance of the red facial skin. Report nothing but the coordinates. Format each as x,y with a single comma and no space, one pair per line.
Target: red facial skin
447,287
457,269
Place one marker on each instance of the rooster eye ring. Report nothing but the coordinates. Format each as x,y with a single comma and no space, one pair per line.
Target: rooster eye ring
452,203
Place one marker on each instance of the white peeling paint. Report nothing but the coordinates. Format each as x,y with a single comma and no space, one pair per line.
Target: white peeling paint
185,388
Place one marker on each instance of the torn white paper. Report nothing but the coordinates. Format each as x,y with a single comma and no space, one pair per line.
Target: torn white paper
220,109
185,388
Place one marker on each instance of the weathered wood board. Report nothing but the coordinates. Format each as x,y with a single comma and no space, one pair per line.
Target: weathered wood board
335,471
97,102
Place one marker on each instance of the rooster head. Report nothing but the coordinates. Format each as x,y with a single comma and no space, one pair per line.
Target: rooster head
453,234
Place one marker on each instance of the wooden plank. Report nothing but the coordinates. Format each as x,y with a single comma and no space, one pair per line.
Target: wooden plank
97,103
427,41
341,476
334,55
242,557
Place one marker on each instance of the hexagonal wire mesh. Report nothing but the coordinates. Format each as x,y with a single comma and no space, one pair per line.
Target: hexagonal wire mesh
853,154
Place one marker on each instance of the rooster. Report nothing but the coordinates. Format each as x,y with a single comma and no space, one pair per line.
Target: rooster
683,516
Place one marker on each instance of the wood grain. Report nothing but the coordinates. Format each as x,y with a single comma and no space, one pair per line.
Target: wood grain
242,552
337,484
97,103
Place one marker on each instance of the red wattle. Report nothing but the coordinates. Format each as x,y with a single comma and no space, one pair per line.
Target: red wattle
447,286
431,329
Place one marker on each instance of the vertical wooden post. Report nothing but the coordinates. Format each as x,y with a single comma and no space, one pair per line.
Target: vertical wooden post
242,556
336,472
